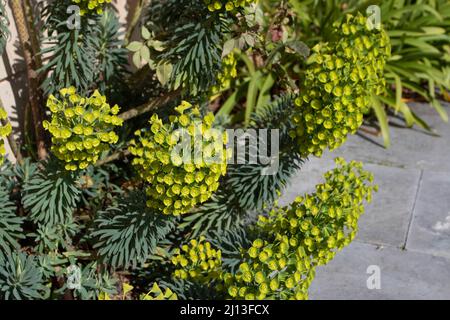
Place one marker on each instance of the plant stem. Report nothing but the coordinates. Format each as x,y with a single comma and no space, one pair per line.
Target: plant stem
130,114
135,19
34,38
115,156
150,106
32,78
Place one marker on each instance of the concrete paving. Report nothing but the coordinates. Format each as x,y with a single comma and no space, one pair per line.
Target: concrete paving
405,232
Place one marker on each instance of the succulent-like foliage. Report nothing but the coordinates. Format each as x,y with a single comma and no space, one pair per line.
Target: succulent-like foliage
20,278
194,74
91,283
181,160
25,171
51,264
51,238
254,185
222,212
10,224
339,82
82,49
112,56
191,290
232,244
72,52
50,196
128,233
192,39
81,128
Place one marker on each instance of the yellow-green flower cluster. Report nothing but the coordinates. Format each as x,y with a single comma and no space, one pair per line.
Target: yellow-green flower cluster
174,158
158,294
306,234
197,261
228,5
91,6
339,82
226,76
5,130
81,128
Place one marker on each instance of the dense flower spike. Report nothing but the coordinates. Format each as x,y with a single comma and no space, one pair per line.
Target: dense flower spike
339,82
197,261
306,234
293,241
91,6
228,5
4,132
181,160
81,128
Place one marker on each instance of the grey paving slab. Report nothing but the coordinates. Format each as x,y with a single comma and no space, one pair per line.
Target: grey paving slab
404,275
387,218
411,148
430,227
307,178
406,230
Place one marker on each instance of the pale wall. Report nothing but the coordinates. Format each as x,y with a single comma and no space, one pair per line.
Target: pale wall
13,90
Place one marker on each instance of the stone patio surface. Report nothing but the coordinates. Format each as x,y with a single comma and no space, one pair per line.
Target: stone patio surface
405,232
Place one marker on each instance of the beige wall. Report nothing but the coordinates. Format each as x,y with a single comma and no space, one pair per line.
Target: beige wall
13,90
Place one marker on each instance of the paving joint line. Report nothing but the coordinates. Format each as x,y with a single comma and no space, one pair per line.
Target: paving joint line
381,245
413,209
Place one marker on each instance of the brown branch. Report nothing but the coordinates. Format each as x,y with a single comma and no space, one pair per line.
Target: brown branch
135,112
34,39
135,19
150,106
115,156
32,78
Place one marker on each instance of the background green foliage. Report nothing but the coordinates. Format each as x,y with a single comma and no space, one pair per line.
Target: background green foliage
419,65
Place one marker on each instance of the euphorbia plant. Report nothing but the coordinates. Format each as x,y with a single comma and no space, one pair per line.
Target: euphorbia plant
115,206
